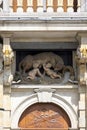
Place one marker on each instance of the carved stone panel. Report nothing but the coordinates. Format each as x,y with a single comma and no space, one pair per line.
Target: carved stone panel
44,68
44,115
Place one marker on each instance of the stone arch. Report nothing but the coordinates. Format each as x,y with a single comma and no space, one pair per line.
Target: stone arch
44,115
56,99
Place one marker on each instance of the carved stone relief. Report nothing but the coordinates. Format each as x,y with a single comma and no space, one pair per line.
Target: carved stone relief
81,62
8,57
44,68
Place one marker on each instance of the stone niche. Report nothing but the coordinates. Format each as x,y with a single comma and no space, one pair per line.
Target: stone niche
45,63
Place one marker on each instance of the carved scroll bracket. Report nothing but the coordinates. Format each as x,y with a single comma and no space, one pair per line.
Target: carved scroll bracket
7,51
44,94
82,59
8,57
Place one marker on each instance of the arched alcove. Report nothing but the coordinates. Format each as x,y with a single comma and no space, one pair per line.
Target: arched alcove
56,100
44,115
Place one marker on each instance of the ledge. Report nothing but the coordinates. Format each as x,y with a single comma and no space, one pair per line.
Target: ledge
73,16
22,86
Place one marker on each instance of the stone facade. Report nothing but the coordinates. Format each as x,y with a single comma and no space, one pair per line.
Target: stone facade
49,31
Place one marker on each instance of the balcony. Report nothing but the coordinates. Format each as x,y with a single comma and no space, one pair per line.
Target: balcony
33,6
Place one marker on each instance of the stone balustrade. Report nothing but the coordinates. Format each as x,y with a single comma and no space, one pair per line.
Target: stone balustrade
40,6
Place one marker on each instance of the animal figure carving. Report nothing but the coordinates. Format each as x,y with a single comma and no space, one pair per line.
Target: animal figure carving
26,64
48,57
30,62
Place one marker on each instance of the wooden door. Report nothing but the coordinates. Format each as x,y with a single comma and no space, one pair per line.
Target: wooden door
44,116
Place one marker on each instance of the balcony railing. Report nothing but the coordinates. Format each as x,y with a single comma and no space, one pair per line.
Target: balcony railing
39,6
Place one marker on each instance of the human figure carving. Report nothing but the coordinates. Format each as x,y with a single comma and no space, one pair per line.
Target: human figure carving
50,72
42,58
34,72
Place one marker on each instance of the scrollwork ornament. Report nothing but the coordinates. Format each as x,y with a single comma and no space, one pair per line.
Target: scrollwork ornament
82,52
8,57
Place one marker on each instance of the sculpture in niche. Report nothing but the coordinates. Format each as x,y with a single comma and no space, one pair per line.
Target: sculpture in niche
43,68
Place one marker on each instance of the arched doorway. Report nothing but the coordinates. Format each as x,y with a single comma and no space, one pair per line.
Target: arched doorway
43,116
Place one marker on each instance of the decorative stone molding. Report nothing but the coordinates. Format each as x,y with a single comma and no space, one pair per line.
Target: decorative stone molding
8,56
8,53
82,53
82,58
44,94
56,99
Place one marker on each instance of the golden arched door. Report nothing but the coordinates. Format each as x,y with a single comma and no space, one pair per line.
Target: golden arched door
44,116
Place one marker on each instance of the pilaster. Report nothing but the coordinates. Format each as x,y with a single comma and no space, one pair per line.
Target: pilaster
7,80
82,77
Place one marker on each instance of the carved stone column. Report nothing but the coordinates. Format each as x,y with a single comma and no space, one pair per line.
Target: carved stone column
8,57
82,77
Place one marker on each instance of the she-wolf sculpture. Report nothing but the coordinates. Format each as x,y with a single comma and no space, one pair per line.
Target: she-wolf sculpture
40,60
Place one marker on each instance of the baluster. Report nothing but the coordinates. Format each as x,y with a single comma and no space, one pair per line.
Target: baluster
6,6
40,6
55,5
44,5
11,5
49,5
30,5
70,6
24,5
60,6
14,5
35,5
19,4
